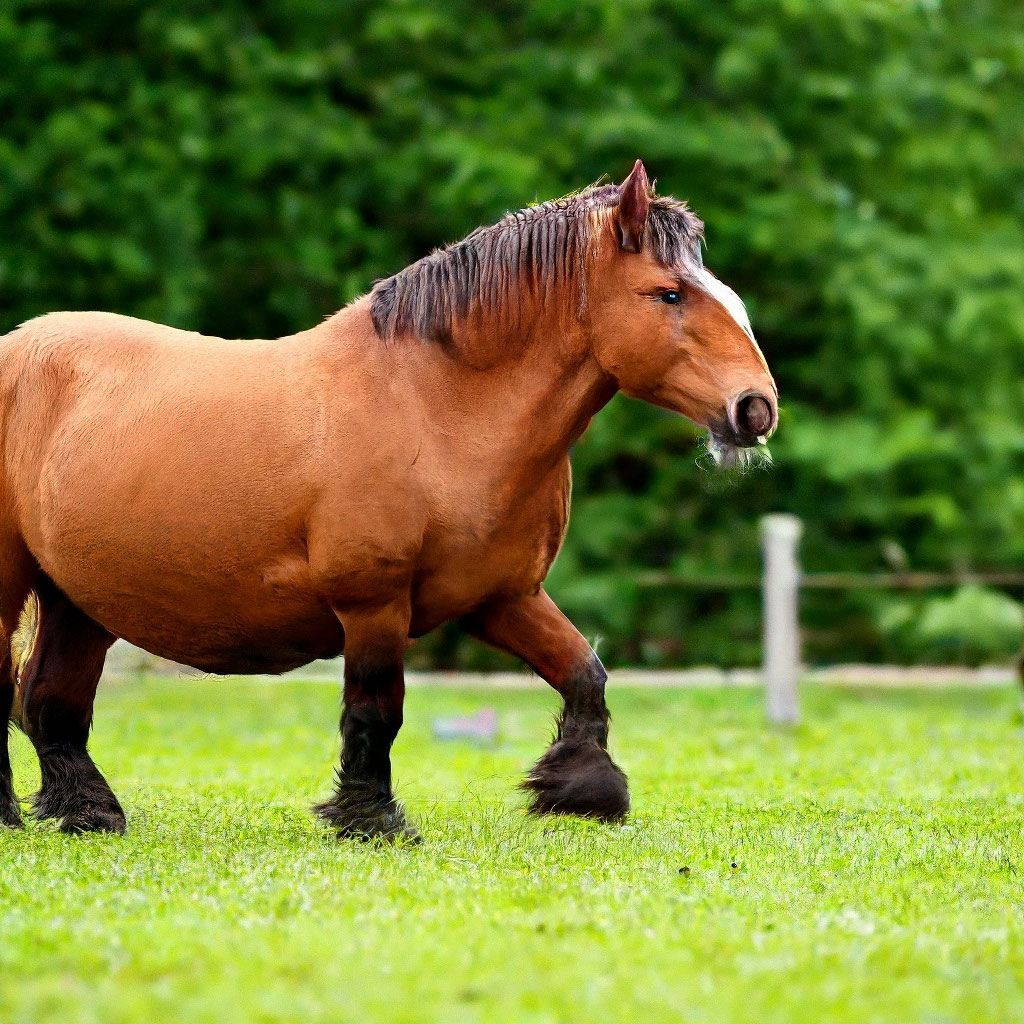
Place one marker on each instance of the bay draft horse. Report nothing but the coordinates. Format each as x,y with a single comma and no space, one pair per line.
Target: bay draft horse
248,506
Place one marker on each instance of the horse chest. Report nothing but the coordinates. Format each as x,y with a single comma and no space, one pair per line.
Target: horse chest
486,556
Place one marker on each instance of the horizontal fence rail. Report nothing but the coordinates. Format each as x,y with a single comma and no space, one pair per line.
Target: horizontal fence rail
833,580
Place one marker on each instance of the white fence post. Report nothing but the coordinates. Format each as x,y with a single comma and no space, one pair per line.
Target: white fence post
781,592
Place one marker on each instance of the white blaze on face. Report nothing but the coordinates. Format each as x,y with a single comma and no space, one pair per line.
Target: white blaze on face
723,452
726,296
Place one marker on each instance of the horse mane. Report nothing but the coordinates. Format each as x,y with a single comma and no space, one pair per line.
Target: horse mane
540,247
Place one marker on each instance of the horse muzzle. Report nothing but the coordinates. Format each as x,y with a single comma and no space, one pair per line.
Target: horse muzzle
752,417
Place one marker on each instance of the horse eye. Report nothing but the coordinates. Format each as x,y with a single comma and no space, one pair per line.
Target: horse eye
672,298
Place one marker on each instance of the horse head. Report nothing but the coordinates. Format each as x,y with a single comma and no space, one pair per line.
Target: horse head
667,330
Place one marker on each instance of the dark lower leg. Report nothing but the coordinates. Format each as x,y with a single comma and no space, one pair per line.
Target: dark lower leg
584,712
575,775
58,689
363,804
10,814
74,792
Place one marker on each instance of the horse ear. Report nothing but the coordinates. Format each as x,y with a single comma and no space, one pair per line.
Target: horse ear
634,203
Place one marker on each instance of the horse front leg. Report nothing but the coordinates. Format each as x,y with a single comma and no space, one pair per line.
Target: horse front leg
58,688
363,805
575,775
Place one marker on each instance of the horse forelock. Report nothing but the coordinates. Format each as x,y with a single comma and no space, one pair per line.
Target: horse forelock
527,253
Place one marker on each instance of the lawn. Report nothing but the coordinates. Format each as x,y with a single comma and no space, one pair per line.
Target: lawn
878,851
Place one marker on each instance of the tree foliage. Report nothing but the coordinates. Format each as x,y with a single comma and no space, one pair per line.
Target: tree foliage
245,168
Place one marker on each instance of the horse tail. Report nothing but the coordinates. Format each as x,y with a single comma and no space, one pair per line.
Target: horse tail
24,638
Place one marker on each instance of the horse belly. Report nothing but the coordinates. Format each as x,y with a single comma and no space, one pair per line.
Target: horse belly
210,623
225,592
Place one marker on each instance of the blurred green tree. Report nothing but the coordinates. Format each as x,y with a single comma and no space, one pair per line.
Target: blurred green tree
244,168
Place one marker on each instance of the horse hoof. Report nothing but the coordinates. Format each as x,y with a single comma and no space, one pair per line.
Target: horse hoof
91,818
10,815
404,835
352,816
578,777
76,812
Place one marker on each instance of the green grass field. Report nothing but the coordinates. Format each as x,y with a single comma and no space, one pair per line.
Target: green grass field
879,853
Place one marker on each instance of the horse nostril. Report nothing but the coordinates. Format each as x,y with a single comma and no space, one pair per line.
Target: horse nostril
754,415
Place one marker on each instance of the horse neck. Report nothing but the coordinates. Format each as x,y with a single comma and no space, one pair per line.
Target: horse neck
523,387
544,409
516,394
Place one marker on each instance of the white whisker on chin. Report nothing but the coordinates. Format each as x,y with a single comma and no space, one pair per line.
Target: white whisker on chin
726,455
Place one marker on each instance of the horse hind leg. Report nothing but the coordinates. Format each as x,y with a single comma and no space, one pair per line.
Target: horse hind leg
58,688
10,814
15,584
